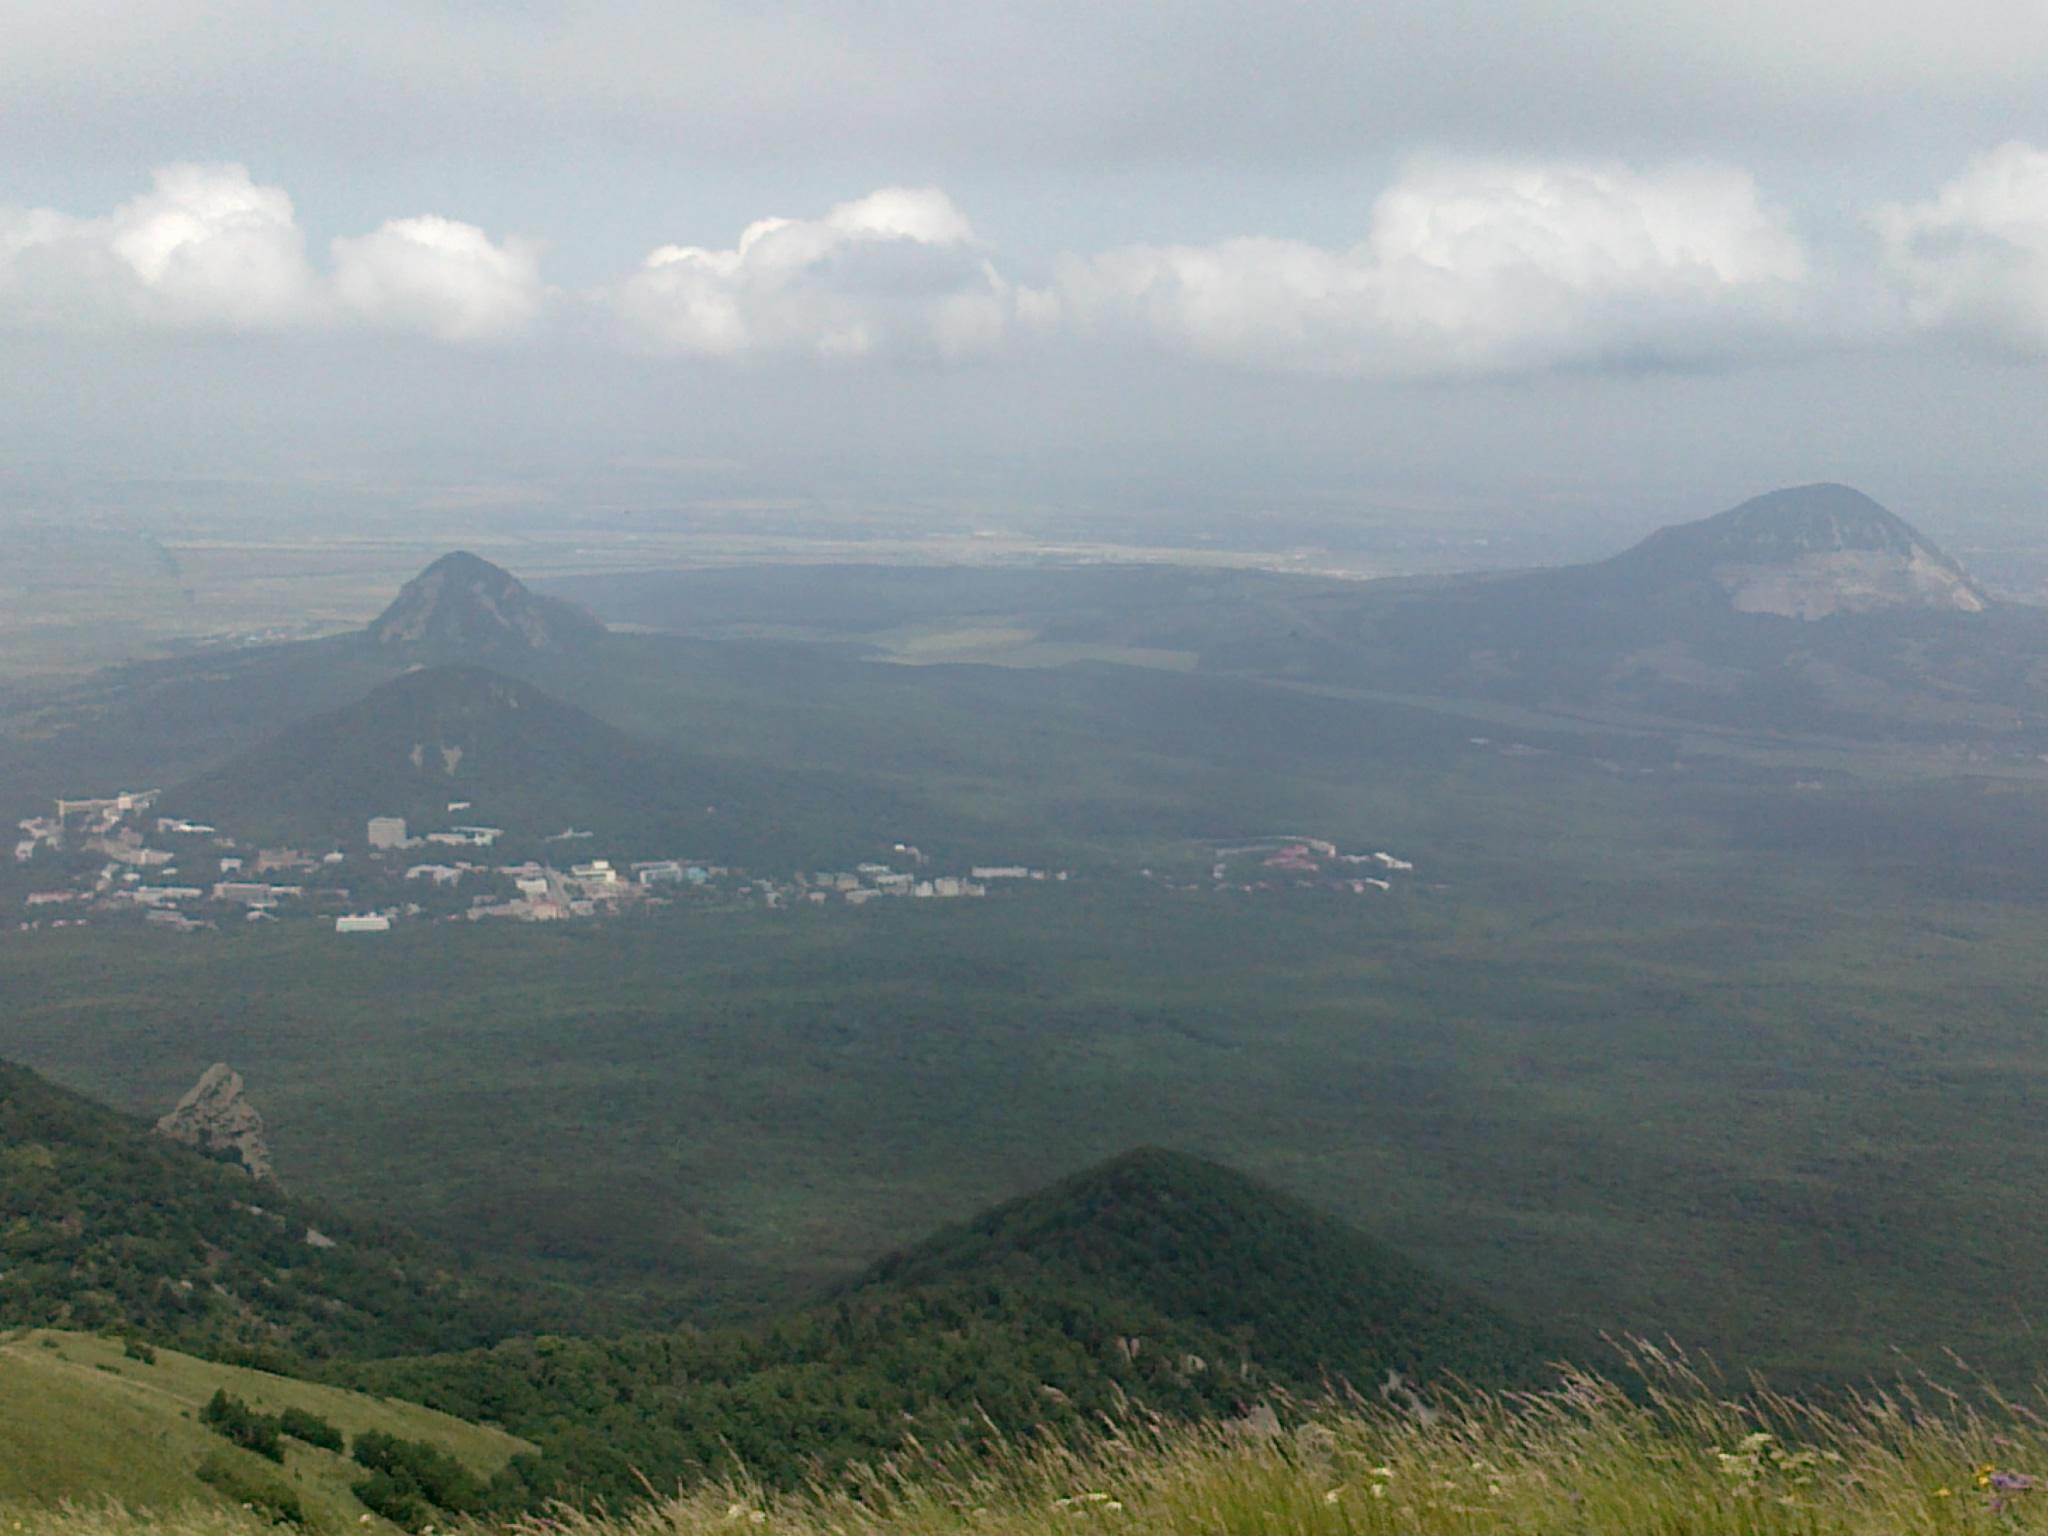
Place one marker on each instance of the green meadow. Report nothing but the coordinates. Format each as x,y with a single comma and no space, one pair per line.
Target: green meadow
87,1421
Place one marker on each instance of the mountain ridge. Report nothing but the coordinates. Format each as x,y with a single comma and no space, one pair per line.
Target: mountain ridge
435,734
1804,552
463,606
1304,1293
1154,1283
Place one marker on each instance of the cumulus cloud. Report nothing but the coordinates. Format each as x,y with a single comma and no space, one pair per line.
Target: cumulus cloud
439,278
209,249
1973,260
1474,267
206,248
897,273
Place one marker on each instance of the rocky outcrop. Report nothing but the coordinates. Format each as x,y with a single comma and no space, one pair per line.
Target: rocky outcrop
1809,552
464,607
216,1116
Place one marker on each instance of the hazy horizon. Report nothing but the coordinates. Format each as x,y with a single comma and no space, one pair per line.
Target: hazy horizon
1318,278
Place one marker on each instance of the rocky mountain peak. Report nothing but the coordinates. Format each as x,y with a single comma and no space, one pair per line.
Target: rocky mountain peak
1807,552
463,605
215,1115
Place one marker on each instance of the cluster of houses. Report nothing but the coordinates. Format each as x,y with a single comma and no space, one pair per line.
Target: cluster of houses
1293,862
183,874
170,869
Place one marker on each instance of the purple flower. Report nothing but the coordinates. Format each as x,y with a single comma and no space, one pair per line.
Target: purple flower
2011,1482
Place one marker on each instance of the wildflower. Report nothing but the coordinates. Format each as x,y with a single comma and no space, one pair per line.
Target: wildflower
1333,1495
2011,1482
1943,1493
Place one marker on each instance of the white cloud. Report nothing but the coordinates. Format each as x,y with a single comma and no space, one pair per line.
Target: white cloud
897,273
1474,268
439,278
206,248
1974,259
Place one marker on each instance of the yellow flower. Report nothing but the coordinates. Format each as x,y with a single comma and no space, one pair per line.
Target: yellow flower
1943,1493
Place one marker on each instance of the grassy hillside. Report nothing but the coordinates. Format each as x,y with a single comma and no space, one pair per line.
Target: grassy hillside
82,1419
1585,1459
104,1225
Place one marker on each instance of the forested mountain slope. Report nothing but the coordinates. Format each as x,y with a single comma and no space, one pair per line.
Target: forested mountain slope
106,1226
1156,1283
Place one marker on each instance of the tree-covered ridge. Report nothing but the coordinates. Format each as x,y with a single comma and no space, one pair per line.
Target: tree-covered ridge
967,1365
1154,1284
105,1226
1304,1295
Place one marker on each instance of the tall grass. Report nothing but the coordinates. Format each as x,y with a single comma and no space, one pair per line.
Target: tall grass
1672,1457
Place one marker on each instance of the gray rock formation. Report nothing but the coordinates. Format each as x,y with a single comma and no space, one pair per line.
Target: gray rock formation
1808,552
216,1116
463,607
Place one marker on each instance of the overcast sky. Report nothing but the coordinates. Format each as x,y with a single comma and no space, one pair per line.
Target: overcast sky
1596,260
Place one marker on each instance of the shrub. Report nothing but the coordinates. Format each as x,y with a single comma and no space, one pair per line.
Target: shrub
310,1428
394,1498
416,1467
266,1497
235,1421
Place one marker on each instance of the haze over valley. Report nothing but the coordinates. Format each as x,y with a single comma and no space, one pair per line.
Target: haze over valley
1023,771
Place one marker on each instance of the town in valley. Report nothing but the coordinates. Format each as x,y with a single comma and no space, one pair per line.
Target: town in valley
115,857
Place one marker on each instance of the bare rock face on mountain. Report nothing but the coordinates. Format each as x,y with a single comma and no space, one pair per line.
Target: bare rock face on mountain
462,606
1808,552
217,1117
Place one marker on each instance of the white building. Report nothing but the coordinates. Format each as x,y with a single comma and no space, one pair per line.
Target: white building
362,922
166,895
387,832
